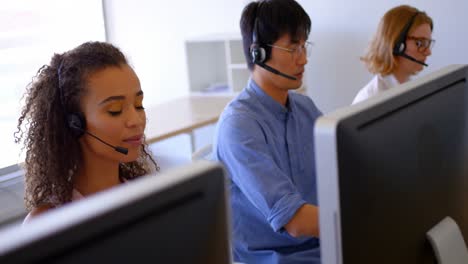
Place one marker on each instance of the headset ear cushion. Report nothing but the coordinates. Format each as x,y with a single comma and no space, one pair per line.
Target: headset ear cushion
77,123
258,53
400,48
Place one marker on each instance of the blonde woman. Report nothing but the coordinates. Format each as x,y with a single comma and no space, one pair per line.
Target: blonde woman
398,50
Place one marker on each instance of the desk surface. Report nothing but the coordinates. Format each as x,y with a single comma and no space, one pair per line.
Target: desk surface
183,115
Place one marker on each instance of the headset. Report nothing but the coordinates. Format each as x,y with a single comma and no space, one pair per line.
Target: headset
400,45
260,54
76,121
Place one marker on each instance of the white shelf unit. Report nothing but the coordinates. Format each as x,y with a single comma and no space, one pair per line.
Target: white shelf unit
216,62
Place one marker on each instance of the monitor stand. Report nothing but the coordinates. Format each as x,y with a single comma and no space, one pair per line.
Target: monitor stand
447,241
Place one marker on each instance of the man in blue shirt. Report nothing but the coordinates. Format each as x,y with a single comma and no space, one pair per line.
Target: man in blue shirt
265,140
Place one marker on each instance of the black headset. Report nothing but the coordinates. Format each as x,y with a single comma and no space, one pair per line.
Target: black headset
76,121
259,53
400,45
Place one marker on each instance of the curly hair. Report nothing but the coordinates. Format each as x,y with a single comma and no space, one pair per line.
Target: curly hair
379,56
55,91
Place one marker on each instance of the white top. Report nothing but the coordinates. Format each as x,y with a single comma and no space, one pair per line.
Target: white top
376,85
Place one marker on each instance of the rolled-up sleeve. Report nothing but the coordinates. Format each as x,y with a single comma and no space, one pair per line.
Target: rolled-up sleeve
243,148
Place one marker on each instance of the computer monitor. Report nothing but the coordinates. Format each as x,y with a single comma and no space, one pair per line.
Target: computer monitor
391,168
179,216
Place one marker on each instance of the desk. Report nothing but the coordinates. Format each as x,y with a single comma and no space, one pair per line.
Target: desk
183,115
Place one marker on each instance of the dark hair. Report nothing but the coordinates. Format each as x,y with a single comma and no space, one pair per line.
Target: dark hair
274,19
55,91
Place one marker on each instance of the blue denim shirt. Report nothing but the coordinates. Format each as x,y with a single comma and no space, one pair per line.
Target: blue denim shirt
268,152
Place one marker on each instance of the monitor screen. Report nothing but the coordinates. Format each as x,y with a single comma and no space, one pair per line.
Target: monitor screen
179,216
391,168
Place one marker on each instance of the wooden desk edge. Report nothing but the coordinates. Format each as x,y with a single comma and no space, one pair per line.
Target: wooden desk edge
181,131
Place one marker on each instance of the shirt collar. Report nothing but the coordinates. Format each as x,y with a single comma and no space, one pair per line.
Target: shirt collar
390,80
266,100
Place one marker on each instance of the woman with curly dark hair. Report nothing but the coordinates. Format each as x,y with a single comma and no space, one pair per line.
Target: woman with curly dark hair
83,127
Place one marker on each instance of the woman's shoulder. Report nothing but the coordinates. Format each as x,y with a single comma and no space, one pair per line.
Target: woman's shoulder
371,89
37,211
76,195
41,209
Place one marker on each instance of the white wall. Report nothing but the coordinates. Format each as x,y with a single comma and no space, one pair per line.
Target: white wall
152,34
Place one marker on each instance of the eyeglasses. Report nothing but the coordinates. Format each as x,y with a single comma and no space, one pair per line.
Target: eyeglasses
298,51
422,43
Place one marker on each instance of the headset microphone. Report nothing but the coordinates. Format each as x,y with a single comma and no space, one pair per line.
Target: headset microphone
77,123
261,54
404,55
275,71
400,44
116,148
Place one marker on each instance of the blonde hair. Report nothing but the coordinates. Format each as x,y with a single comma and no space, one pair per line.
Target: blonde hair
379,56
